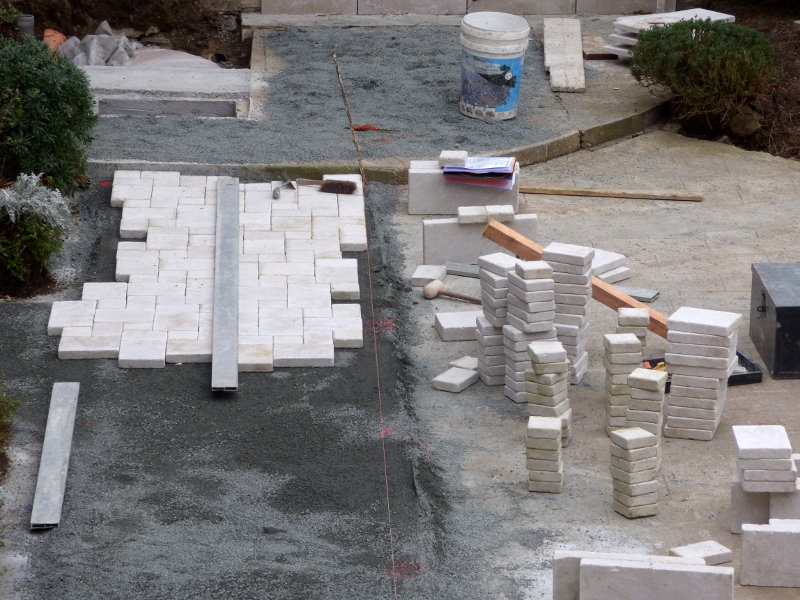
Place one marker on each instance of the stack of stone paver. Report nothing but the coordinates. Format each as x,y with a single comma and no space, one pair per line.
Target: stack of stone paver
646,407
543,455
530,318
490,351
634,466
548,383
572,273
764,458
493,272
701,353
623,354
635,321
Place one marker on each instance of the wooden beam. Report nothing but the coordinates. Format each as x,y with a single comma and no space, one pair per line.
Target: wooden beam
603,292
608,193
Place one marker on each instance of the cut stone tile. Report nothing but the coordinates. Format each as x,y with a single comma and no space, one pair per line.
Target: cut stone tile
633,438
456,326
568,254
699,320
711,552
625,580
143,349
188,351
74,347
424,274
465,362
472,214
70,313
770,554
500,212
176,317
761,441
455,379
303,355
255,358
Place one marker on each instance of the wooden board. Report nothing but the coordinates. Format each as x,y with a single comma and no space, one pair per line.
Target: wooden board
603,292
608,193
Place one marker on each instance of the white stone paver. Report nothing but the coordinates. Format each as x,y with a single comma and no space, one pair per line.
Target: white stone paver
291,271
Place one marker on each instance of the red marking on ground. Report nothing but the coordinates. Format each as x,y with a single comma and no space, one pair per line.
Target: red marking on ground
106,184
424,447
385,431
381,325
404,570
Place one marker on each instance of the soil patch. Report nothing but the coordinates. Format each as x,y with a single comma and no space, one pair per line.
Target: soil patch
779,107
196,27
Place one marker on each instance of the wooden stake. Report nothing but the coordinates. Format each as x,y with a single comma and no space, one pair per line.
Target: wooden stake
603,292
599,193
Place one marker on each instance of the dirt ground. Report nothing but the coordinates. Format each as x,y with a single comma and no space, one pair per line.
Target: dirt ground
195,26
780,106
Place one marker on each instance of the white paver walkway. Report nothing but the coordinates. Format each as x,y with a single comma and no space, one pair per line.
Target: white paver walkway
291,271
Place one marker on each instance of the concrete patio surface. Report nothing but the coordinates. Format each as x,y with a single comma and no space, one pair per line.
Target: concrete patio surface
361,481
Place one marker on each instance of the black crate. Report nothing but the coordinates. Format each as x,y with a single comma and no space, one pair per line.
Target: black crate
775,317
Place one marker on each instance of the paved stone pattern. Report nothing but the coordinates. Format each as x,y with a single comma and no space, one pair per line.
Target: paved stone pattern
291,271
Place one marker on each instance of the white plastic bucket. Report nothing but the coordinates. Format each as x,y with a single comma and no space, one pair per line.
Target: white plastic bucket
493,48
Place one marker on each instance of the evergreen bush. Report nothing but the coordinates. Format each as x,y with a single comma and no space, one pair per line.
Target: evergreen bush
46,115
712,69
32,222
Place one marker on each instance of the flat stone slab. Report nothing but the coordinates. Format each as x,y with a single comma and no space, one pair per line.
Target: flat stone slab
712,553
455,379
703,321
761,441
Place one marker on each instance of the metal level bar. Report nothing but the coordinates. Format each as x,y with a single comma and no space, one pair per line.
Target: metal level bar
225,324
54,463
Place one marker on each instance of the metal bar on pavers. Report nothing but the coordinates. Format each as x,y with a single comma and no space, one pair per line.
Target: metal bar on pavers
53,465
603,292
225,324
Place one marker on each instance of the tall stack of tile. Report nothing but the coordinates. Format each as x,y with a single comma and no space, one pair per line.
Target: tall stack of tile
530,318
548,383
543,455
634,466
701,353
572,273
493,271
623,355
646,407
635,321
764,458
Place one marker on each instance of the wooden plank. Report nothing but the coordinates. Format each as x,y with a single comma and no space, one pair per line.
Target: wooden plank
225,319
54,463
603,292
608,193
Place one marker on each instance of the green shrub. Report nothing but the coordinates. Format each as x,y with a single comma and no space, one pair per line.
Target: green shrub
32,222
46,115
711,68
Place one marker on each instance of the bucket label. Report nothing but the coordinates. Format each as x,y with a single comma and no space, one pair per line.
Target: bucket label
490,82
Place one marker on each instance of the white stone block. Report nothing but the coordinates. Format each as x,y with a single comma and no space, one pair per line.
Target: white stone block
567,563
605,261
770,554
615,275
424,274
430,194
255,358
455,379
70,313
602,579
633,317
176,317
78,347
633,437
684,337
546,352
456,326
143,349
472,214
188,350
568,254
497,263
465,362
544,428
711,552
703,321
500,212
761,441
273,322
348,338
648,379
453,158
303,355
